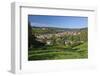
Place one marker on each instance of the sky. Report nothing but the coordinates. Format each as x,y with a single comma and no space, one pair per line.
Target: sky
58,21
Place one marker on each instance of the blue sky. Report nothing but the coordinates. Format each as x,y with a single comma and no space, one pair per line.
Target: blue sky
58,21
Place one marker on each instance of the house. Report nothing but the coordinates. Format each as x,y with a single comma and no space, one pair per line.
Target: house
48,42
66,42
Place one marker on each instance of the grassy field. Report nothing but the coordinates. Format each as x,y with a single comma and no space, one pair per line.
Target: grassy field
59,52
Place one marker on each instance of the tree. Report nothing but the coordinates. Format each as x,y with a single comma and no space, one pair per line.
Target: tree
29,35
83,36
70,38
76,38
53,38
32,42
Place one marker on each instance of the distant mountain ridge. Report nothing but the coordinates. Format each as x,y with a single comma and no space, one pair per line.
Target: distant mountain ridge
61,29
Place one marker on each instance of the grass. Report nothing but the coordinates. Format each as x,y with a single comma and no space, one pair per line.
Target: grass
59,52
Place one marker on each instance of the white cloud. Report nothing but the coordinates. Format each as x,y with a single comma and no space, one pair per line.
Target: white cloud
39,25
